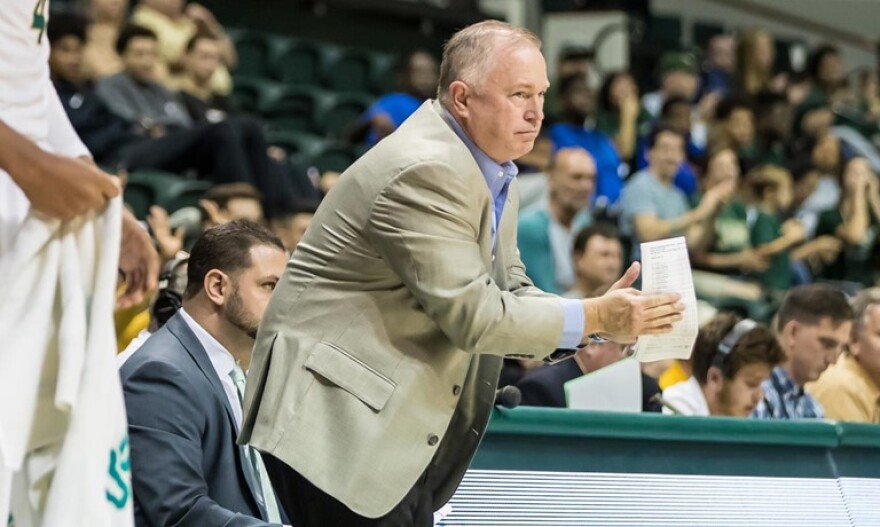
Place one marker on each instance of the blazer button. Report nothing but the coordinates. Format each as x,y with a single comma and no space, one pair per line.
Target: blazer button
456,390
433,439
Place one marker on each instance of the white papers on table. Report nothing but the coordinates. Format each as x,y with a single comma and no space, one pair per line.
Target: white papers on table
614,388
666,268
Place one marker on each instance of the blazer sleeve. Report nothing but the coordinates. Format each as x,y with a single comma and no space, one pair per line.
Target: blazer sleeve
423,225
165,426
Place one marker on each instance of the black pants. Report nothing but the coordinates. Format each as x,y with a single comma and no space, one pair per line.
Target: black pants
232,151
308,506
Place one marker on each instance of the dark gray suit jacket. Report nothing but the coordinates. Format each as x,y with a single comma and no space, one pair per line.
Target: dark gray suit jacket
186,467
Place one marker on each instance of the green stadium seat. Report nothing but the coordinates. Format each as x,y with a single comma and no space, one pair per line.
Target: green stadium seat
383,75
301,63
349,70
301,147
341,112
294,108
249,93
256,52
145,188
334,156
184,193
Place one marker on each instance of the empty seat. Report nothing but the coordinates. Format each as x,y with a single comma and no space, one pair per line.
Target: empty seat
341,112
301,63
256,52
250,93
300,147
349,70
294,108
334,156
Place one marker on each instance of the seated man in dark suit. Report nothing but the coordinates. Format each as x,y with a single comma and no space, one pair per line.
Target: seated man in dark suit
544,386
183,390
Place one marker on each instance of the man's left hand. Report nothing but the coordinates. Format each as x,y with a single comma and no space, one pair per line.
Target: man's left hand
138,261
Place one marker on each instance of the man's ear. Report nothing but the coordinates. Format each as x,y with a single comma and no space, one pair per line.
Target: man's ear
216,286
459,94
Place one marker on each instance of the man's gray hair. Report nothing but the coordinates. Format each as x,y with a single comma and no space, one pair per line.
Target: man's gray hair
861,303
467,54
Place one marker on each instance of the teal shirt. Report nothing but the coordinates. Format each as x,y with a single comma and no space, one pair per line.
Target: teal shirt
645,194
548,259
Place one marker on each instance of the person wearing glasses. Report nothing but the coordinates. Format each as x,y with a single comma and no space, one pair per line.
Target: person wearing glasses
731,360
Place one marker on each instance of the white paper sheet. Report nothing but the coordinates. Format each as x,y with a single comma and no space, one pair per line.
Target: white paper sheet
666,268
614,388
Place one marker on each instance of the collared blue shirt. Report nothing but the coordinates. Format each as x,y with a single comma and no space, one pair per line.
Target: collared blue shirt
498,178
784,399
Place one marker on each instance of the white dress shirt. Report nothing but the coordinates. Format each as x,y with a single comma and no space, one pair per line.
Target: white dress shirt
687,397
222,361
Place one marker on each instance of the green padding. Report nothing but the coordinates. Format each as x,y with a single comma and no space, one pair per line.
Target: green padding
657,427
859,435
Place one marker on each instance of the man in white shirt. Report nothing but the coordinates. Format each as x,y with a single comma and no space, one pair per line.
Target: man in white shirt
731,359
183,390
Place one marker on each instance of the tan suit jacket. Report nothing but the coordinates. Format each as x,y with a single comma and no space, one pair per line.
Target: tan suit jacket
393,315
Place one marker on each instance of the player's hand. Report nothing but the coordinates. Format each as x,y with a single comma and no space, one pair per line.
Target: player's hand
62,187
138,262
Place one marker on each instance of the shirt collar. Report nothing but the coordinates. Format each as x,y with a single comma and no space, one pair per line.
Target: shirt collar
783,382
496,175
221,359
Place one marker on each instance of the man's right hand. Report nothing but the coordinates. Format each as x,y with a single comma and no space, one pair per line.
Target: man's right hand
62,187
623,313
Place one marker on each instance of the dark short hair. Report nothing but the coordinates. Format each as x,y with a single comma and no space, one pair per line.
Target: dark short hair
728,105
662,128
817,56
67,25
671,103
224,193
132,31
809,304
194,40
758,346
604,98
602,229
765,100
227,248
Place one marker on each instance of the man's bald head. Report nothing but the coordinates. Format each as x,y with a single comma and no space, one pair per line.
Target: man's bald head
572,178
468,54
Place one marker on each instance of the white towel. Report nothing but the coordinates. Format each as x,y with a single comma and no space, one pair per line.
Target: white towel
64,438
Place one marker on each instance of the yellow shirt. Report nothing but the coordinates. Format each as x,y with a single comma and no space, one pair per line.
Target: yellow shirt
847,392
173,36
673,375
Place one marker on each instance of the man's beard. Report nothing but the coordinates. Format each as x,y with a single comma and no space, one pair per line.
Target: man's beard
236,315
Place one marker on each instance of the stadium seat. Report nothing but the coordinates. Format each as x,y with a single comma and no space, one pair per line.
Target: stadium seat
145,188
301,62
383,76
349,70
341,112
334,156
301,147
256,51
184,193
249,93
294,108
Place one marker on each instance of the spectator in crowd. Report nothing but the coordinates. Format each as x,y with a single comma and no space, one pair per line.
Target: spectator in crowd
417,76
198,66
770,189
731,359
291,228
850,389
825,70
773,120
545,233
224,152
532,176
183,390
100,58
678,78
175,23
573,60
223,204
735,127
728,248
717,74
620,114
598,259
755,56
573,130
546,386
855,223
812,327
652,207
676,114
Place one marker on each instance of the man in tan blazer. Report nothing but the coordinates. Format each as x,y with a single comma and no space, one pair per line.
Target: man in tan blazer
375,368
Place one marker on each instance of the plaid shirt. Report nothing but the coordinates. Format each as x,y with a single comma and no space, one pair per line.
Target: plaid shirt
784,399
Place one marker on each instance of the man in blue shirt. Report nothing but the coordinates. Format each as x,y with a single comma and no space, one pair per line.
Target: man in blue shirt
813,326
574,130
418,82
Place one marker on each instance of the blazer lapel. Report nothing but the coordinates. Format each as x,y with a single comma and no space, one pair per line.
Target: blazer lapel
178,327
